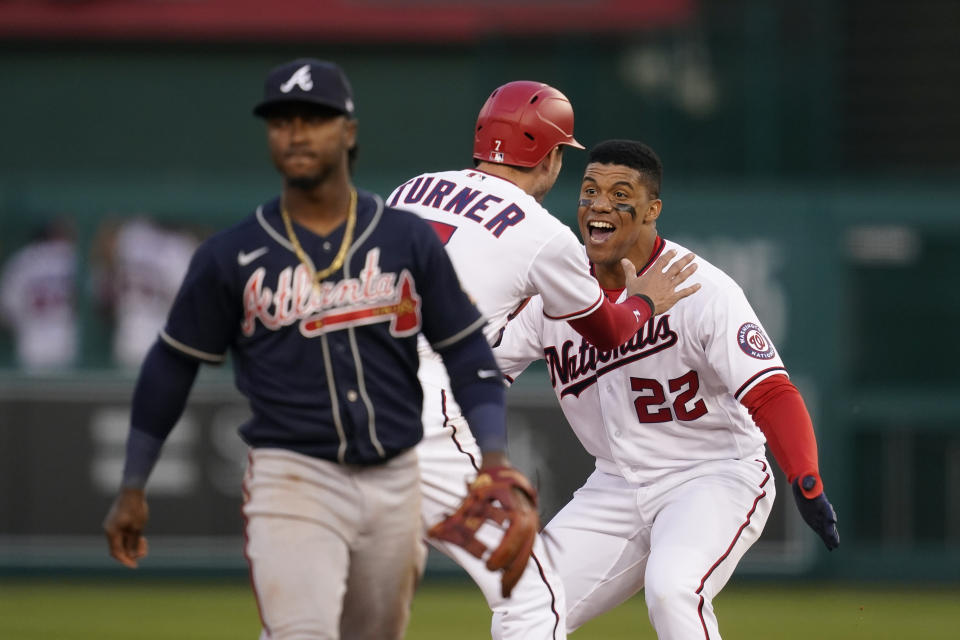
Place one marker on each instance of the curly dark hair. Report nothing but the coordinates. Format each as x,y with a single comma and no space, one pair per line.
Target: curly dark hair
633,154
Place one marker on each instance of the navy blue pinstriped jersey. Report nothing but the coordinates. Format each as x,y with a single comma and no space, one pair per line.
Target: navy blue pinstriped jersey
330,371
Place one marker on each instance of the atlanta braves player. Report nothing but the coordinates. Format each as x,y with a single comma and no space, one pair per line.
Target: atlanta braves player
506,247
681,488
319,296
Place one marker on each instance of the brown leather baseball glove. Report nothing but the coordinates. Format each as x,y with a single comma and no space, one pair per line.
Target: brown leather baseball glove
505,496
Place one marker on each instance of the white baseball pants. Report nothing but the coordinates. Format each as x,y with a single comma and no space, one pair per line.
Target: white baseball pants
679,539
449,459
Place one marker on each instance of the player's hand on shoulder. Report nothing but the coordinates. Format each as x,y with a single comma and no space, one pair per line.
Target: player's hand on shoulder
816,509
659,283
124,525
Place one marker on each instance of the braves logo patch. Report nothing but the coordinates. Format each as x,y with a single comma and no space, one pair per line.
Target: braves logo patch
754,342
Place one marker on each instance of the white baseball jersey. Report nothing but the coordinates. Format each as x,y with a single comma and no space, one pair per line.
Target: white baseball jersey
149,264
37,300
668,398
505,247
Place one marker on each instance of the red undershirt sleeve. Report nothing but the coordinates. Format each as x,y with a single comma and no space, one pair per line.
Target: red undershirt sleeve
779,411
613,324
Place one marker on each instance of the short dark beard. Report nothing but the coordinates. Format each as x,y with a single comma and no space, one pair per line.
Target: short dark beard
304,183
308,183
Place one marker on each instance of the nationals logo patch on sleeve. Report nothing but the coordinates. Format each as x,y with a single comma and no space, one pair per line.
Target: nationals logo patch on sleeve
754,343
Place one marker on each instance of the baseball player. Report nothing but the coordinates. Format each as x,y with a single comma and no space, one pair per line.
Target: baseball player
319,297
38,299
681,488
506,247
143,265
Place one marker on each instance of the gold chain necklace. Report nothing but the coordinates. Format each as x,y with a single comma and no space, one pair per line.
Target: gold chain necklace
318,276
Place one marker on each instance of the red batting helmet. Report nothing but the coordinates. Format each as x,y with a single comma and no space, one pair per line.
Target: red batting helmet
521,122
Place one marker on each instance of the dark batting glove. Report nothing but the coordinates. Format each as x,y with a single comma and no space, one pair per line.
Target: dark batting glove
817,512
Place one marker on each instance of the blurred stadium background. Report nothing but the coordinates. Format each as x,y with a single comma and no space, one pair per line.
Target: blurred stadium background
811,149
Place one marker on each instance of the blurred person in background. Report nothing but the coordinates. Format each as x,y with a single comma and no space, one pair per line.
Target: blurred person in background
38,299
139,265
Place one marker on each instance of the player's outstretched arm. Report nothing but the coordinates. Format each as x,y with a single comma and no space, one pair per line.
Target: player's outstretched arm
609,325
779,411
124,526
659,283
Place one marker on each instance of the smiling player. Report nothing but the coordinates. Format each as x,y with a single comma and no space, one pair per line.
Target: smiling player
682,487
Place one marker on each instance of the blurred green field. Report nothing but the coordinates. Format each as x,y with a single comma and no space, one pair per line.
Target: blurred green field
135,608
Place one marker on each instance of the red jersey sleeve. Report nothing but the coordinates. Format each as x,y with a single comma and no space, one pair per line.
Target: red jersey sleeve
779,411
610,325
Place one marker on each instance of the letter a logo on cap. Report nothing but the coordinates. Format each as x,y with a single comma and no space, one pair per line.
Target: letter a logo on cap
300,78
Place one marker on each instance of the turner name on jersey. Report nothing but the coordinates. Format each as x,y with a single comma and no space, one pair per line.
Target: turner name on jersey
475,204
487,220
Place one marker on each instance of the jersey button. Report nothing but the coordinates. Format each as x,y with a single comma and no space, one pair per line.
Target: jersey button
616,434
352,395
326,246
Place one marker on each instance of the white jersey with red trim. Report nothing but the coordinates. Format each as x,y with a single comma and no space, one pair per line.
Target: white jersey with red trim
504,245
38,302
149,263
667,399
506,248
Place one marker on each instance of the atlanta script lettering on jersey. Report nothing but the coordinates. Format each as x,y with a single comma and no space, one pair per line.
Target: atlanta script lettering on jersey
568,366
448,196
373,296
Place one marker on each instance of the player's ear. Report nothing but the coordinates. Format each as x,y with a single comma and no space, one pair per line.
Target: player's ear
553,160
350,132
653,210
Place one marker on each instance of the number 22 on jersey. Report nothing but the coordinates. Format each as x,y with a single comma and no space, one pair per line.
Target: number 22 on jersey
650,406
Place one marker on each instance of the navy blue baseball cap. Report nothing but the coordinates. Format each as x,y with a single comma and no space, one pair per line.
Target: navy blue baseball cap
310,81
